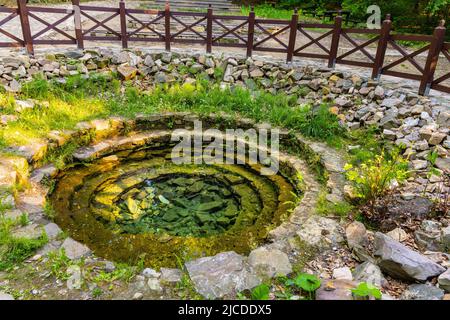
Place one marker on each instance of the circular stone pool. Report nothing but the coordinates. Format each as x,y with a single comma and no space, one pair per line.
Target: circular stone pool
133,202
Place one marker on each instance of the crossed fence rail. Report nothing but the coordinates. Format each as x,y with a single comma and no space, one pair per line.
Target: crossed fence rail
207,28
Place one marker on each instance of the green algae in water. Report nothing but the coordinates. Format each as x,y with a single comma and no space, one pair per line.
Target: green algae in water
145,206
180,205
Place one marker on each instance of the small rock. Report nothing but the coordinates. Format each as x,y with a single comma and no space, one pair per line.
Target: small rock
137,296
127,72
356,234
398,234
436,138
422,292
222,274
154,285
75,250
74,281
52,230
370,273
320,232
270,262
4,296
151,273
444,280
170,275
343,273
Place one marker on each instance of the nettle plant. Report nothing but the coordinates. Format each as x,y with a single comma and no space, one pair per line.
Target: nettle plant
374,177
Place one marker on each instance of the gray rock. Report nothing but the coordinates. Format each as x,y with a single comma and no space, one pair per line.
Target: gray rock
401,262
443,119
4,296
444,280
370,273
154,285
269,262
75,250
443,164
151,273
356,234
398,234
343,273
320,232
223,274
75,280
52,230
170,275
428,237
22,105
32,231
436,138
422,292
391,102
446,238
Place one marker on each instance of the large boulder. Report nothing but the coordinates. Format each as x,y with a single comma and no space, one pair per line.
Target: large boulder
223,274
401,262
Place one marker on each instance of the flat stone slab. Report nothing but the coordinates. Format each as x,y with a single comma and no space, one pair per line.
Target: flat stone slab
74,249
223,274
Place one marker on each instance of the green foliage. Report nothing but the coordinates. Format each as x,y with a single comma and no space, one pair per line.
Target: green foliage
319,123
327,208
261,292
15,250
306,282
373,177
58,263
268,11
67,105
365,291
122,272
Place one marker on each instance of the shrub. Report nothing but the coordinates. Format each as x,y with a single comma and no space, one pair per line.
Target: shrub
365,291
372,178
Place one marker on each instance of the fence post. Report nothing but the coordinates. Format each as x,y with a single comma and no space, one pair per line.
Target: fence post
432,59
209,31
292,36
123,24
335,41
251,31
25,23
77,20
167,25
382,46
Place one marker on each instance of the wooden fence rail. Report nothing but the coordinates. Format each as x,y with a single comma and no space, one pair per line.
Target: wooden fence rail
209,29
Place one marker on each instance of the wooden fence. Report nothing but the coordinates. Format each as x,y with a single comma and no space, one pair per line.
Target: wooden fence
217,30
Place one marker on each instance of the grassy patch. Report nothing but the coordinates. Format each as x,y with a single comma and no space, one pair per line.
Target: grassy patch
268,11
15,250
66,104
